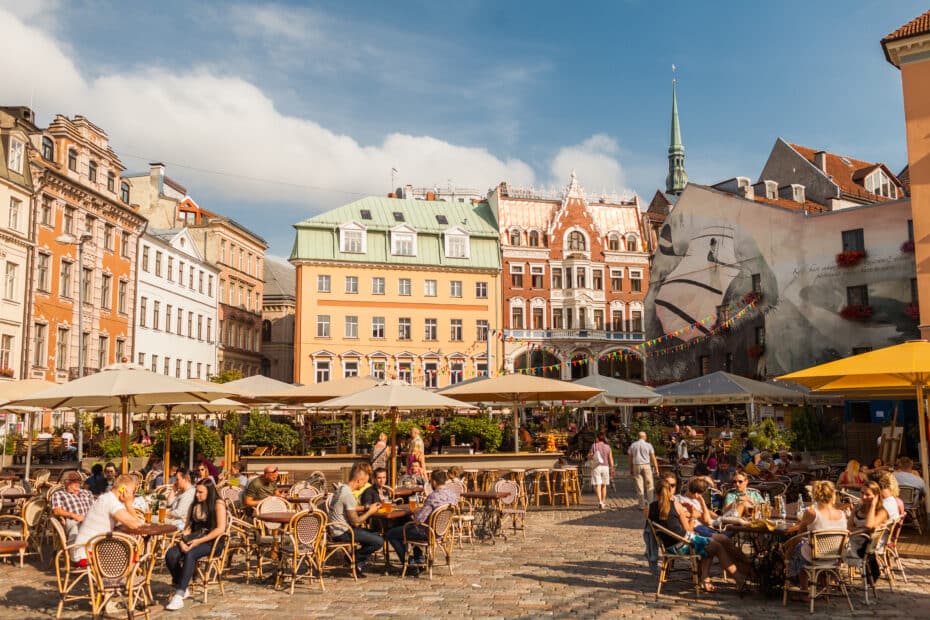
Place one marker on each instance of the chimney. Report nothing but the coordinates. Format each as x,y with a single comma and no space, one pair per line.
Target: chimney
157,173
820,160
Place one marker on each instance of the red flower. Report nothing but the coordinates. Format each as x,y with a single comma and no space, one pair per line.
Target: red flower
850,258
856,312
908,247
912,310
755,350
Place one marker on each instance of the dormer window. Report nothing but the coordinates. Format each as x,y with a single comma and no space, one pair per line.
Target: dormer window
366,214
631,243
613,242
353,239
534,238
576,241
880,184
771,190
442,219
48,149
515,237
404,242
457,245
399,216
17,153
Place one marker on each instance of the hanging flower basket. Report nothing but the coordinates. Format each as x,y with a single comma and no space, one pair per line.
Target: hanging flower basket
912,310
752,297
755,350
908,247
850,258
856,312
7,372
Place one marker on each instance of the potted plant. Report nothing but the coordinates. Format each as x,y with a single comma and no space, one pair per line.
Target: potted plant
7,372
856,312
908,247
755,350
752,297
850,258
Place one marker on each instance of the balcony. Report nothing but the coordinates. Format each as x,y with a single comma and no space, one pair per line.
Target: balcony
574,334
74,374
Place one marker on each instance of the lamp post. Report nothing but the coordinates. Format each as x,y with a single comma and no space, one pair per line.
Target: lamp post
79,242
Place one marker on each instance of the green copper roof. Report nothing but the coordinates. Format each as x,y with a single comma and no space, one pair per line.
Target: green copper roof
318,237
677,178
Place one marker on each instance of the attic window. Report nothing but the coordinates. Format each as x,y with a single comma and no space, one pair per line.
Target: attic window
398,216
846,161
366,214
442,219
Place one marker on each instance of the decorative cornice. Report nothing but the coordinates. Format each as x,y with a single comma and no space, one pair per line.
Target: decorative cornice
912,49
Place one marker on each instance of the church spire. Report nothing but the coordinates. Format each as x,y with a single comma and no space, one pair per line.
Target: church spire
677,177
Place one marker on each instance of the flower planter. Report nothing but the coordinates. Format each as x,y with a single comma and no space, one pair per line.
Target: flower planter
856,312
850,258
908,247
755,350
912,310
752,297
7,372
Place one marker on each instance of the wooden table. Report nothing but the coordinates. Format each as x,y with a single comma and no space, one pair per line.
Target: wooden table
385,520
149,529
486,496
9,477
13,496
282,517
9,546
406,491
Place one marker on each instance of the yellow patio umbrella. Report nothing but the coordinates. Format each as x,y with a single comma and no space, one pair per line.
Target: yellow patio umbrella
901,370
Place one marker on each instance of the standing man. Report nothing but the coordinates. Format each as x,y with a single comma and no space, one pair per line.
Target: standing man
346,522
71,503
642,464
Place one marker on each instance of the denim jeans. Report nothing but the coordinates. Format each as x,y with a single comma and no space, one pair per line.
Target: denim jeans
181,565
369,541
395,536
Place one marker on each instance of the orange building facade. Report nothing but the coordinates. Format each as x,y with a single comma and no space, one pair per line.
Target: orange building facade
79,194
908,48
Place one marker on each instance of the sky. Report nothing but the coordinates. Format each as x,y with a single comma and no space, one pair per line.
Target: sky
270,113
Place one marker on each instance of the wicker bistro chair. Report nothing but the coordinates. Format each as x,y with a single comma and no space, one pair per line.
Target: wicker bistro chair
303,547
463,523
875,548
302,493
345,549
892,559
13,527
117,570
439,536
265,533
7,505
35,514
233,498
667,559
511,505
914,508
210,569
73,582
828,548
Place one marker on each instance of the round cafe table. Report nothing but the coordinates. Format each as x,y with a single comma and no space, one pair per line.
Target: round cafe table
9,546
12,496
384,520
487,514
276,517
149,529
407,491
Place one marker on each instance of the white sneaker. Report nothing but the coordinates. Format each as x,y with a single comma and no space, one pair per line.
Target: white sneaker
187,594
176,603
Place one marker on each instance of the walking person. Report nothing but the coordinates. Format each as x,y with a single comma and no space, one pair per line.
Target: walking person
603,457
642,464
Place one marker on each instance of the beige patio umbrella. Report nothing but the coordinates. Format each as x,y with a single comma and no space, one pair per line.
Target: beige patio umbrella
318,392
12,390
519,388
393,397
125,386
255,389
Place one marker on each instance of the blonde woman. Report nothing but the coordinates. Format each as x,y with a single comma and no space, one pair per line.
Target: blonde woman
852,477
889,494
822,515
380,452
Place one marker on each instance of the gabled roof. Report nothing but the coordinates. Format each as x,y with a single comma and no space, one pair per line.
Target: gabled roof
280,280
660,205
917,26
847,172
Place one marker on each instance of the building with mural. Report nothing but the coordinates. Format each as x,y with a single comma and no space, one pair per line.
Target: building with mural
575,275
397,288
908,49
176,309
234,250
279,307
80,198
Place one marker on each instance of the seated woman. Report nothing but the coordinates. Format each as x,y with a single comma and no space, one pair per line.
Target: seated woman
893,504
869,516
207,521
668,513
851,478
822,515
702,517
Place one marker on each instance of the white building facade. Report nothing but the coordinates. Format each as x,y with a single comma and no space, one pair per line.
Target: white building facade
176,306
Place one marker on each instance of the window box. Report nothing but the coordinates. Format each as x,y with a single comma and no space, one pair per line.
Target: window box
850,258
755,351
908,247
752,297
856,312
7,372
912,310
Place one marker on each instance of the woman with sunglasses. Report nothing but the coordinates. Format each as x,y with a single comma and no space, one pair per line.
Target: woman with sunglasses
741,500
202,475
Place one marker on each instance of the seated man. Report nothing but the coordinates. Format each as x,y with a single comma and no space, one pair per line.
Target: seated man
378,492
692,499
904,474
180,499
741,501
159,480
345,520
112,508
442,495
109,473
96,483
366,466
71,503
264,486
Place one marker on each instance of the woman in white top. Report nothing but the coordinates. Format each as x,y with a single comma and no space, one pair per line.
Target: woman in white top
890,500
821,516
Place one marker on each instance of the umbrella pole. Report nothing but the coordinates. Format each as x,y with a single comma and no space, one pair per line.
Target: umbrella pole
190,448
516,428
922,419
80,437
167,454
353,432
124,438
393,412
31,417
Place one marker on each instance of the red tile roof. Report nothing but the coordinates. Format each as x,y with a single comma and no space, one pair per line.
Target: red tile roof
847,173
808,206
905,177
918,25
659,205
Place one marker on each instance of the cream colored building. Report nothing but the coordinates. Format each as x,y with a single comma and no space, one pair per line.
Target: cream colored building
395,288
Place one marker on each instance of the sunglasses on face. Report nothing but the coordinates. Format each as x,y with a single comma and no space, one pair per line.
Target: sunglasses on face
739,481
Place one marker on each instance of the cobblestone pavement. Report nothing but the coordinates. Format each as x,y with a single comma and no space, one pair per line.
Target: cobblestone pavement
578,562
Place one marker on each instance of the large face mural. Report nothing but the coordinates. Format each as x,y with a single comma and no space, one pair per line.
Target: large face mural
714,246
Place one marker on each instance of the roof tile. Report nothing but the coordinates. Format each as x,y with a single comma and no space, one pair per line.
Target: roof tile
846,172
918,25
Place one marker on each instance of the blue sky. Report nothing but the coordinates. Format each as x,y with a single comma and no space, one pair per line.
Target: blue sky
273,112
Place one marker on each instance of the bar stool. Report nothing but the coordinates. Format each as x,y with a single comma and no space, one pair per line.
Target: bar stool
560,486
572,483
489,477
518,476
470,478
542,476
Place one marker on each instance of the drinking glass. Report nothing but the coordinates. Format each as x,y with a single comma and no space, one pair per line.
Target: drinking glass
161,514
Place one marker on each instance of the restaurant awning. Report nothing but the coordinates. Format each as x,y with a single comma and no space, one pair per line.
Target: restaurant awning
723,388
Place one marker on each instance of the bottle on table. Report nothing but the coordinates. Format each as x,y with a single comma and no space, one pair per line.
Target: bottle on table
801,506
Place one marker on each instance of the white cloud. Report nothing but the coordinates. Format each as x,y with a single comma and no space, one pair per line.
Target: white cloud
595,161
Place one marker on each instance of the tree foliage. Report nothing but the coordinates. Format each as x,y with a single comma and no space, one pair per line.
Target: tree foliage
111,448
226,376
205,440
806,429
261,431
467,428
367,434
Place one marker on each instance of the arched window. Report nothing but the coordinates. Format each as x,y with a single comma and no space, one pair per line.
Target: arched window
534,238
576,241
613,242
48,149
514,237
631,244
266,331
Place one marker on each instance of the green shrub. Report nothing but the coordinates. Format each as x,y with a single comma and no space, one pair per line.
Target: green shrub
111,448
261,431
466,429
367,434
205,440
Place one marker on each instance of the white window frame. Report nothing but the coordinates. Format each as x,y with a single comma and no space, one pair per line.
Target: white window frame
377,286
15,204
457,243
376,323
17,155
353,239
404,287
346,372
321,367
377,367
324,283
352,285
478,290
455,288
430,288
351,327
403,242
323,326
